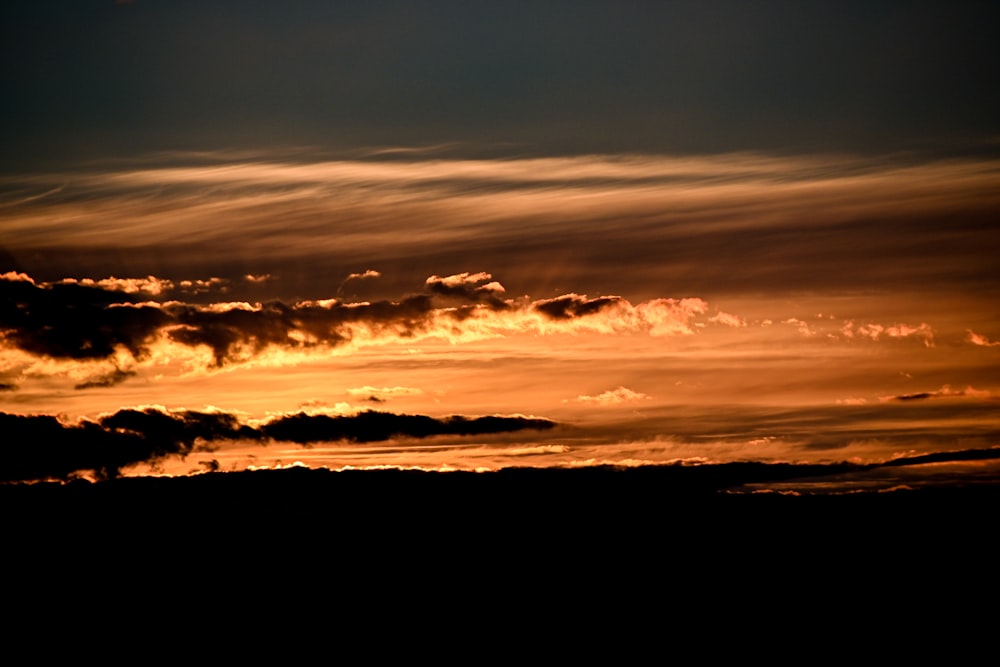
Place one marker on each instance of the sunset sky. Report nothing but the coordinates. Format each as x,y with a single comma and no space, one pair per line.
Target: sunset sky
526,234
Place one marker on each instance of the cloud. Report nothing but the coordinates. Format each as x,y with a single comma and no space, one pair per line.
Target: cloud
72,321
728,319
369,273
115,377
670,317
676,220
14,276
852,401
379,394
944,392
536,450
374,426
206,286
803,327
982,341
875,331
614,397
149,285
469,287
569,306
941,457
459,279
39,447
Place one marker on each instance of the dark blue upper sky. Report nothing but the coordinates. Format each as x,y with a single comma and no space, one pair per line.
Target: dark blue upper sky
96,78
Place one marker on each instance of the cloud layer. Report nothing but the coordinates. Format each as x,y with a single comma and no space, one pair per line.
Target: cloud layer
736,223
42,447
90,321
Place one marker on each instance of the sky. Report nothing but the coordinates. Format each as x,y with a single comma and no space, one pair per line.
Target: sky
469,236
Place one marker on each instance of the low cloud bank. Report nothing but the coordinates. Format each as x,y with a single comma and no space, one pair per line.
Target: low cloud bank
38,447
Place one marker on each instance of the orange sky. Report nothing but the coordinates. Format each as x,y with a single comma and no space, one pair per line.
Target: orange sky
716,308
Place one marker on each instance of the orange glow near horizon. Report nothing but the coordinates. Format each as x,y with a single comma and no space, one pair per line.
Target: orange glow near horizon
825,323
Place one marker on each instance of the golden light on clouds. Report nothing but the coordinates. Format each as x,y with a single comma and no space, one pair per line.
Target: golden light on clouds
648,309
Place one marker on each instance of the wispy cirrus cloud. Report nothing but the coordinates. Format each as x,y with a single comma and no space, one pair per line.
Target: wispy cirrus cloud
676,220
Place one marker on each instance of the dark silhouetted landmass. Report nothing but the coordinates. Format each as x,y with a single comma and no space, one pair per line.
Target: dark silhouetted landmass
649,509
595,541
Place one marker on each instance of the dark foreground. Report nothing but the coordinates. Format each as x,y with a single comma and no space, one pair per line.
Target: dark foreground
555,512
650,544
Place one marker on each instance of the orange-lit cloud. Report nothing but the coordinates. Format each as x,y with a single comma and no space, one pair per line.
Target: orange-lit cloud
149,285
614,397
980,340
673,217
380,394
944,392
728,319
369,273
660,310
257,279
874,331
48,323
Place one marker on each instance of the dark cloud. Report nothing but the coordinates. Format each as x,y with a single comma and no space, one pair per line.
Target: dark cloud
109,380
569,306
374,426
913,397
469,288
177,431
945,391
71,321
87,322
944,457
223,331
41,447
